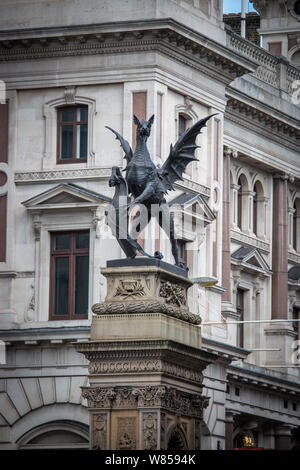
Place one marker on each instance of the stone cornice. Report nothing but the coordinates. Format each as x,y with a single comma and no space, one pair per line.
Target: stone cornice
96,173
165,35
245,239
262,118
260,377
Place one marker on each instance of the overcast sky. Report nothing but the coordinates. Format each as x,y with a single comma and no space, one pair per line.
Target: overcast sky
234,6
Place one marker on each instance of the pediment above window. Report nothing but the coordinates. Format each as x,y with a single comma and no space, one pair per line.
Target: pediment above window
65,196
192,214
251,260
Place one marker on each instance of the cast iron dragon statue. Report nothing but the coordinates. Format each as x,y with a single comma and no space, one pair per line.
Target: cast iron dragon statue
147,185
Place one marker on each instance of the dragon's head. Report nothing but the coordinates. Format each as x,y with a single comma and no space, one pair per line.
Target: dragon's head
143,127
116,177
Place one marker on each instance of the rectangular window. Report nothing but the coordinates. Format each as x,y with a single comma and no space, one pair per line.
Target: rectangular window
240,312
182,251
4,132
69,275
72,134
216,149
158,124
215,249
139,105
275,48
3,225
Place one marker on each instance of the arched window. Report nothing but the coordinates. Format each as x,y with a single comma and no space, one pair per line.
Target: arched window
296,225
258,210
183,123
255,210
239,204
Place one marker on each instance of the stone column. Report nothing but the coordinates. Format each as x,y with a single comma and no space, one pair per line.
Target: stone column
280,335
235,188
145,360
226,297
283,436
280,249
230,415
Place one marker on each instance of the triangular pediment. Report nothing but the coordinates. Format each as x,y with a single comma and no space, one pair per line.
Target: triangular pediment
65,196
193,204
250,259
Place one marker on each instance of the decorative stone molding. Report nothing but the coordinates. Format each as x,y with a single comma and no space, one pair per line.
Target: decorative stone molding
261,117
251,241
148,396
154,306
61,175
165,35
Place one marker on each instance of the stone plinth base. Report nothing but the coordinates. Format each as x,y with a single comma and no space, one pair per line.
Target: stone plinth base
145,361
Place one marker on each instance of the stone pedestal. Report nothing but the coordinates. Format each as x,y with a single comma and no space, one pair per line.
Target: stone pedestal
145,369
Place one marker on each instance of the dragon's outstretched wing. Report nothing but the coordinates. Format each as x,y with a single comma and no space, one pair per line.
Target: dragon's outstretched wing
181,154
124,144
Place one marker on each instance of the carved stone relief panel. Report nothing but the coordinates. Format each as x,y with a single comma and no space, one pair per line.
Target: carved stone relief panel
126,433
99,431
149,430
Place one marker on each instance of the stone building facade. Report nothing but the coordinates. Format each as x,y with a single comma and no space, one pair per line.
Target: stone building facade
71,68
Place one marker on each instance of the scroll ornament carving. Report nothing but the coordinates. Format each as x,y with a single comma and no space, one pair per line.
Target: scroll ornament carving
150,431
144,306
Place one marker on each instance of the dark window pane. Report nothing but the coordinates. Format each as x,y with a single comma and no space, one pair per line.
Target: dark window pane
81,285
81,141
66,144
67,115
82,114
62,241
182,125
61,287
82,240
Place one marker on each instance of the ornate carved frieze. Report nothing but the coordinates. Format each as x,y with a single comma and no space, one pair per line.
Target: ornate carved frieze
131,366
148,396
163,35
61,175
249,115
